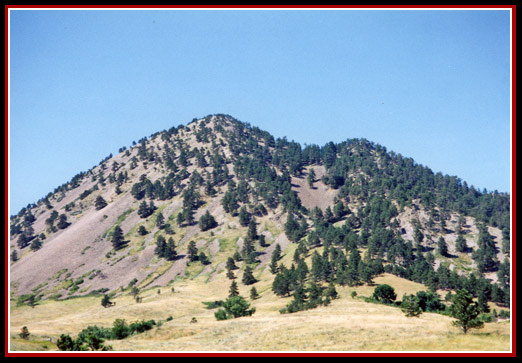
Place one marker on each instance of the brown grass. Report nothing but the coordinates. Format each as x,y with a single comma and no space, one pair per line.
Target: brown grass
347,324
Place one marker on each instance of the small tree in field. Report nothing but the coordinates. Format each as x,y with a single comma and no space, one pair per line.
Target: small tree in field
106,301
384,293
234,307
410,306
466,311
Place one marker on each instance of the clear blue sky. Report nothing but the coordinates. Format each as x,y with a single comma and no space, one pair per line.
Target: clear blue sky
431,85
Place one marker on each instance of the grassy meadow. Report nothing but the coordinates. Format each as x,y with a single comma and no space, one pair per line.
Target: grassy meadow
347,324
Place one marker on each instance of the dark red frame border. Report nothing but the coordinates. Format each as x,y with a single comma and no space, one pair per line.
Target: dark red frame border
7,8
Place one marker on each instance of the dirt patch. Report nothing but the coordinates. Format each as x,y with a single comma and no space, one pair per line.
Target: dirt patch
320,195
266,257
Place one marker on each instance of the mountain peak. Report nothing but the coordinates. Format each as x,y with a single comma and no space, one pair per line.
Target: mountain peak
219,184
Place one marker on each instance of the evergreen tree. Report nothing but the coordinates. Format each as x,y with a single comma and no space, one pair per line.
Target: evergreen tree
145,210
106,301
330,291
384,293
142,231
410,306
62,222
234,307
231,265
418,237
233,291
160,221
248,251
244,217
466,311
253,293
36,244
276,256
207,221
248,276
328,215
202,257
117,238
486,254
460,244
99,202
282,282
252,230
192,251
311,178
442,246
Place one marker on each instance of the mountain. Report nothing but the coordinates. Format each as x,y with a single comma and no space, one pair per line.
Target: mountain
186,201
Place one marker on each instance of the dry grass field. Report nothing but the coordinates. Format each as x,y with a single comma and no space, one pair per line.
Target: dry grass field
347,324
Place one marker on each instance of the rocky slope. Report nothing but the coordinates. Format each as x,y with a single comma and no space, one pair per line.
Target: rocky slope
190,170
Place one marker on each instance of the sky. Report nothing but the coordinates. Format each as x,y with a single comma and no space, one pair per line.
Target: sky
433,85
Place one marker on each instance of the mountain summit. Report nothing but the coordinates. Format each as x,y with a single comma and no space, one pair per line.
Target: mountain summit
194,200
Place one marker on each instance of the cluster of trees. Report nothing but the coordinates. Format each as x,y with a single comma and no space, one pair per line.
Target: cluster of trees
191,201
165,249
234,307
93,337
362,171
467,312
158,190
207,221
332,266
146,209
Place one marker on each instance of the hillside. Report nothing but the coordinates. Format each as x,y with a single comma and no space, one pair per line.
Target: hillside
236,193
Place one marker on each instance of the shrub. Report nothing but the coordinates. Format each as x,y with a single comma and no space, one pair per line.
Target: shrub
384,293
234,307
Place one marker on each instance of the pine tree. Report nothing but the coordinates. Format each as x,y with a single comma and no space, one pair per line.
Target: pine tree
117,238
36,244
466,311
311,178
384,293
249,252
253,293
418,237
281,283
142,231
233,291
202,257
100,203
106,301
410,306
248,277
62,222
192,251
145,210
460,244
442,246
231,265
161,246
330,291
244,217
252,230
207,222
160,221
